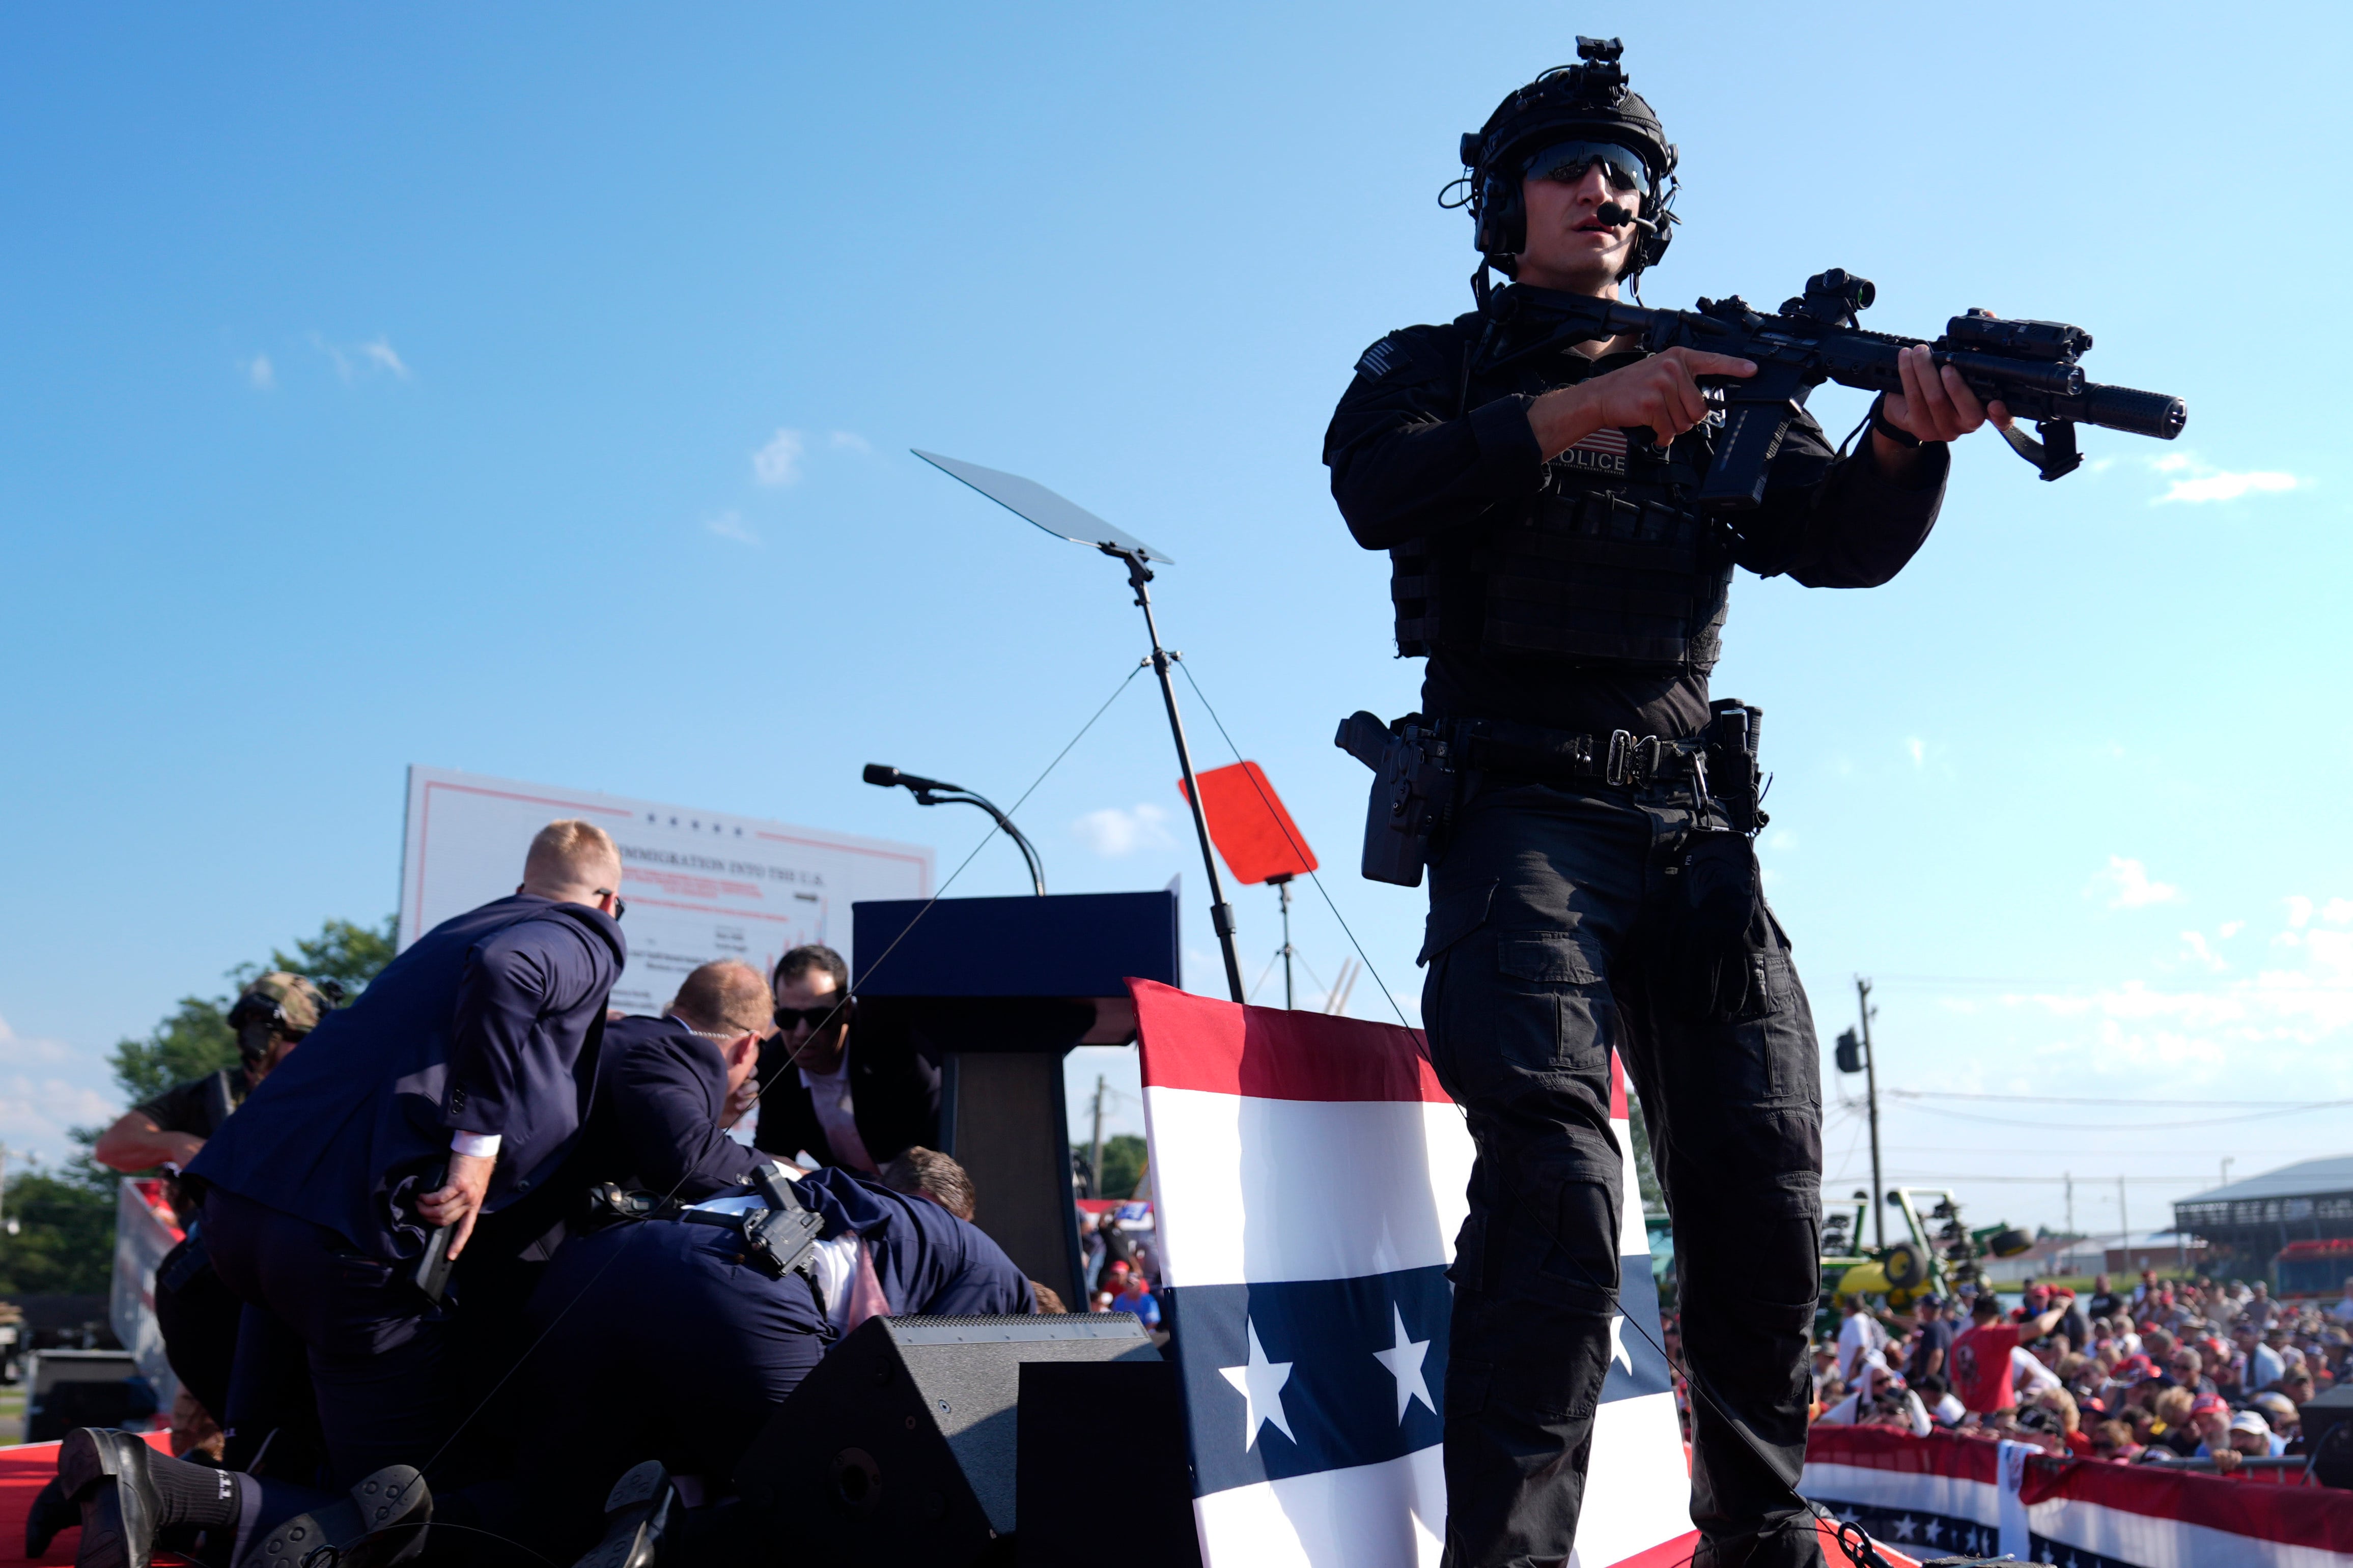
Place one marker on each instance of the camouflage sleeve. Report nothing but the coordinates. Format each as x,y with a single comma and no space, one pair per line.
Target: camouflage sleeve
1404,466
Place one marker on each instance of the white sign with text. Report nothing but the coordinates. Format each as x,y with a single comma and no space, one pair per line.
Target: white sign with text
700,885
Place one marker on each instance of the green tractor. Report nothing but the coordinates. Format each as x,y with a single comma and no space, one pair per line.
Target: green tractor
1936,1257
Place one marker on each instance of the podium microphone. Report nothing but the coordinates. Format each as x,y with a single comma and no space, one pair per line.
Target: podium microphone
932,791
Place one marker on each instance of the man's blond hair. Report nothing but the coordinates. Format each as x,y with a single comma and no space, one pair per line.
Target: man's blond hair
723,997
569,853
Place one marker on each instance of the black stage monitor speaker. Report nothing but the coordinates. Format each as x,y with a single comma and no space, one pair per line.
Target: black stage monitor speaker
2327,1427
899,1447
1077,1513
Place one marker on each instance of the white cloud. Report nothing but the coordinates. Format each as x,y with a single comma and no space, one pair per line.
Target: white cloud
1113,832
731,525
379,353
262,373
1918,750
47,1089
851,441
779,462
2337,912
2229,928
2130,887
2195,943
353,361
1783,840
2299,910
2196,482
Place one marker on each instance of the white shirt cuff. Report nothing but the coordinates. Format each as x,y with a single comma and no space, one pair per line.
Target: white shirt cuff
480,1145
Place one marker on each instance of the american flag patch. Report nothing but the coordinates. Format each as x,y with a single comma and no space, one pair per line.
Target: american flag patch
1603,452
1378,360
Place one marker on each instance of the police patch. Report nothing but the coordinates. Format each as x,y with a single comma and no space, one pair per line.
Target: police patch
1603,452
1378,360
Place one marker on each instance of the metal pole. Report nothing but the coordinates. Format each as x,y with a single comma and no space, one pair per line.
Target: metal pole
2123,1219
1282,886
2068,1177
1094,1160
1870,1088
1221,914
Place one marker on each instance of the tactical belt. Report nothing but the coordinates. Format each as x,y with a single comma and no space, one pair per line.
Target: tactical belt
1620,758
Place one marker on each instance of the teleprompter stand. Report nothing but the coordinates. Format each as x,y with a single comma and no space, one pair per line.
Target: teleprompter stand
1065,520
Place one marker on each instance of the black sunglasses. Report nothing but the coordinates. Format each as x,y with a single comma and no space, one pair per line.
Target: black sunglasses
621,906
815,1017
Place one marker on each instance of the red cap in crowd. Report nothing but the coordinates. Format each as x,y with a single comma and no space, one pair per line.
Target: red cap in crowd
2135,1368
2206,1402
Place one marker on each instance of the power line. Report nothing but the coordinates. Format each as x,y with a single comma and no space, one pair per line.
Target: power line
2137,1126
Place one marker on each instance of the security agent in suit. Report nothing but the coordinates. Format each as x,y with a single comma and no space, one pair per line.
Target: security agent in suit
670,1087
850,1102
1551,564
714,1341
454,1084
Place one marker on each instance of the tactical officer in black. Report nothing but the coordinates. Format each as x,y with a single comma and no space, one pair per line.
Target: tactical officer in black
1569,599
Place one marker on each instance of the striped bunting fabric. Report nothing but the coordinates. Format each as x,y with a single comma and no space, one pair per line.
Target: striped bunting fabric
1308,1176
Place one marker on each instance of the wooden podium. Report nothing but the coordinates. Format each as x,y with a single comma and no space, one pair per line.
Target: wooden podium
996,992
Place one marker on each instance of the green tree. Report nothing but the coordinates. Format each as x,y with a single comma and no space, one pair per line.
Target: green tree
191,1041
1123,1165
195,1038
351,956
65,1236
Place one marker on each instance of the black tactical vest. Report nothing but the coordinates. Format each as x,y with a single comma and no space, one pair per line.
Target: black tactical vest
1608,564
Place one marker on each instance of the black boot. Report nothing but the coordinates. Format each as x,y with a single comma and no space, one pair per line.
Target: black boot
382,1522
106,1472
641,1515
53,1512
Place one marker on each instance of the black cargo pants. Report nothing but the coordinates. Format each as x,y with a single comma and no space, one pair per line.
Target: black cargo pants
1552,941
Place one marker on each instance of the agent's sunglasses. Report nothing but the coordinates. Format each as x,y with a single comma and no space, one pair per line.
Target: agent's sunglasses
1567,162
788,1019
620,905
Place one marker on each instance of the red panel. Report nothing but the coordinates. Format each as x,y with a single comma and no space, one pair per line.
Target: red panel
1249,825
1270,1053
1885,1448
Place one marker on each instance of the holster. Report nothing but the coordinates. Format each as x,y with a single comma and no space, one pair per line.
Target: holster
1413,794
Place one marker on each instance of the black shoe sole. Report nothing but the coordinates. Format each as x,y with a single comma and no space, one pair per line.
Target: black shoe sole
637,1515
382,1522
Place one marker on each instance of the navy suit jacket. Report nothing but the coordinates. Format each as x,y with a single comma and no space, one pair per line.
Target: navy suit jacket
481,1025
660,1092
925,1259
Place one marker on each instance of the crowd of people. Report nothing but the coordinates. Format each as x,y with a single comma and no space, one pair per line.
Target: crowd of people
2198,1370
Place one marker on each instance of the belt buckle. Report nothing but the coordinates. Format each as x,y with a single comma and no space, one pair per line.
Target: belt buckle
1619,769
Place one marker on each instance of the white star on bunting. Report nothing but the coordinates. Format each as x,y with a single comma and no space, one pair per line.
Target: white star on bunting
1404,1362
1260,1385
1618,1351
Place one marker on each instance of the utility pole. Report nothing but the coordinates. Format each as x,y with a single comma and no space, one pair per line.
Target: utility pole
1094,1159
1282,886
2068,1177
1870,1088
2124,1220
2228,1161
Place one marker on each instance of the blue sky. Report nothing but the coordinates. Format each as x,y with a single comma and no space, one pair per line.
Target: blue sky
529,391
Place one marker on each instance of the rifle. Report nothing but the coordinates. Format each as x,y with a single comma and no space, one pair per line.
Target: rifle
2029,366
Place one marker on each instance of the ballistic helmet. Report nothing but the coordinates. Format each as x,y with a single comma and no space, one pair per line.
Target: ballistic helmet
1589,101
277,1004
